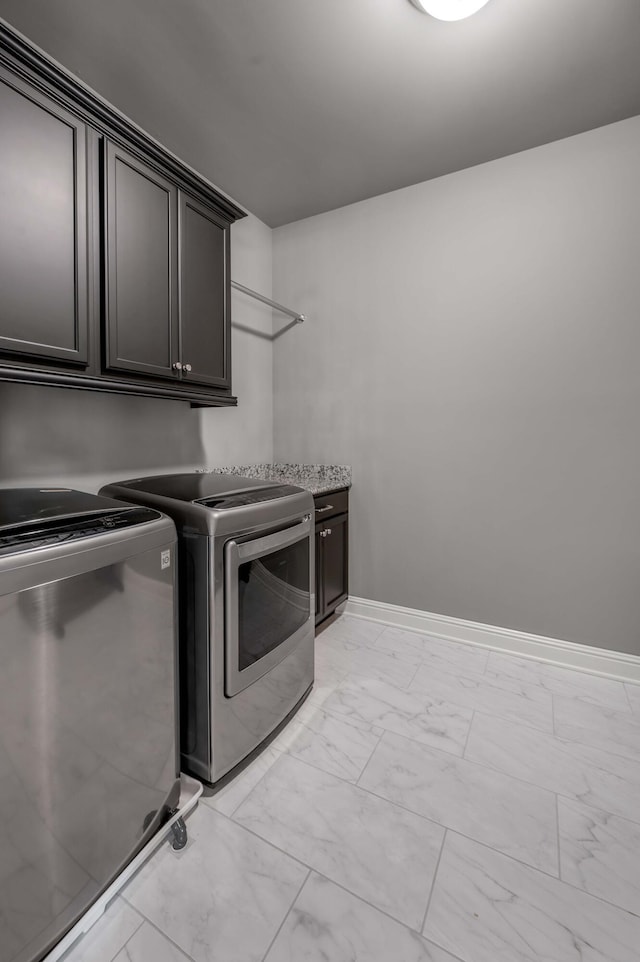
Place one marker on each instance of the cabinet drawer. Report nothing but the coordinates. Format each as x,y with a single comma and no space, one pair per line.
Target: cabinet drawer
329,504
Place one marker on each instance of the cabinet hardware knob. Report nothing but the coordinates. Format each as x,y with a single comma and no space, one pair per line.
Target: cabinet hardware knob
187,368
177,366
327,531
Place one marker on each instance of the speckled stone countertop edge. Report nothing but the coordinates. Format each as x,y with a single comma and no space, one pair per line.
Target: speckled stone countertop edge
316,478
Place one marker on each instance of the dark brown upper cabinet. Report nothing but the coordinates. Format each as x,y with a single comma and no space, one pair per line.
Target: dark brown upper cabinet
43,227
141,296
204,241
166,298
114,255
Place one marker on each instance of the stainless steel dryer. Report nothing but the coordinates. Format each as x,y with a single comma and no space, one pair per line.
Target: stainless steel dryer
247,601
88,759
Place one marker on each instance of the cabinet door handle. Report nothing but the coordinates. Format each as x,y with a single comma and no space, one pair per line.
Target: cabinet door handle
177,366
187,368
328,507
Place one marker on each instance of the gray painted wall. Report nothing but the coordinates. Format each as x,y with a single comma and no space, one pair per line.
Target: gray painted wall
473,350
84,439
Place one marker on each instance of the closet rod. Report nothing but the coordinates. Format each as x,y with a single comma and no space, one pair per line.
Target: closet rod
298,318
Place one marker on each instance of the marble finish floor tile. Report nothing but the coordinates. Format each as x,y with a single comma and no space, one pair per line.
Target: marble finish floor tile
633,694
327,676
404,741
108,936
419,647
227,799
581,685
415,714
357,630
612,731
339,746
586,774
503,812
149,945
477,693
487,907
223,898
359,661
327,924
378,851
600,853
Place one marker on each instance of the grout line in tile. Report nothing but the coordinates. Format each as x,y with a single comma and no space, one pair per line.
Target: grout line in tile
446,829
279,752
168,938
522,724
343,778
389,731
430,939
470,838
628,685
433,882
94,928
555,878
558,837
570,798
294,858
494,768
336,718
311,867
459,704
466,741
413,677
238,825
486,665
361,898
488,768
502,652
358,785
595,748
287,914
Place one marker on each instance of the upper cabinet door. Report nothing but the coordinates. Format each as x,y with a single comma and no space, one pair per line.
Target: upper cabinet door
141,297
204,295
43,234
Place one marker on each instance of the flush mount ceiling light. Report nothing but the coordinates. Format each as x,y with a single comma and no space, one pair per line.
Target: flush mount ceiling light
449,9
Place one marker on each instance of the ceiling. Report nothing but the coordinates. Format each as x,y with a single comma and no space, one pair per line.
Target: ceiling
294,107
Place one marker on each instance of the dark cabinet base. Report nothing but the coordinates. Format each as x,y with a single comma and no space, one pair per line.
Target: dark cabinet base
332,552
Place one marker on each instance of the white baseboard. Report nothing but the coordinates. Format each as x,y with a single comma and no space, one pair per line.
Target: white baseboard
568,654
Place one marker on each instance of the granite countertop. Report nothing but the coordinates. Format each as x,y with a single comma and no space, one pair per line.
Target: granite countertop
316,478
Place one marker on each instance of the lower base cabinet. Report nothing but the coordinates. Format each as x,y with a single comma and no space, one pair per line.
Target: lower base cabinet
332,552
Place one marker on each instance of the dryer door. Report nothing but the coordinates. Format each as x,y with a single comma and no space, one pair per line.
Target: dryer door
269,602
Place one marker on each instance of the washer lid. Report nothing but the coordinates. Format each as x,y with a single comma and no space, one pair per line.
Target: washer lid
20,506
43,517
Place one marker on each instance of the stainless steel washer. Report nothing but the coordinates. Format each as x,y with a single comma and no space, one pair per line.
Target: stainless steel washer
88,748
247,602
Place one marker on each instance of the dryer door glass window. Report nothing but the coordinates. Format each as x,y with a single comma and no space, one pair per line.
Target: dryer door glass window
273,601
